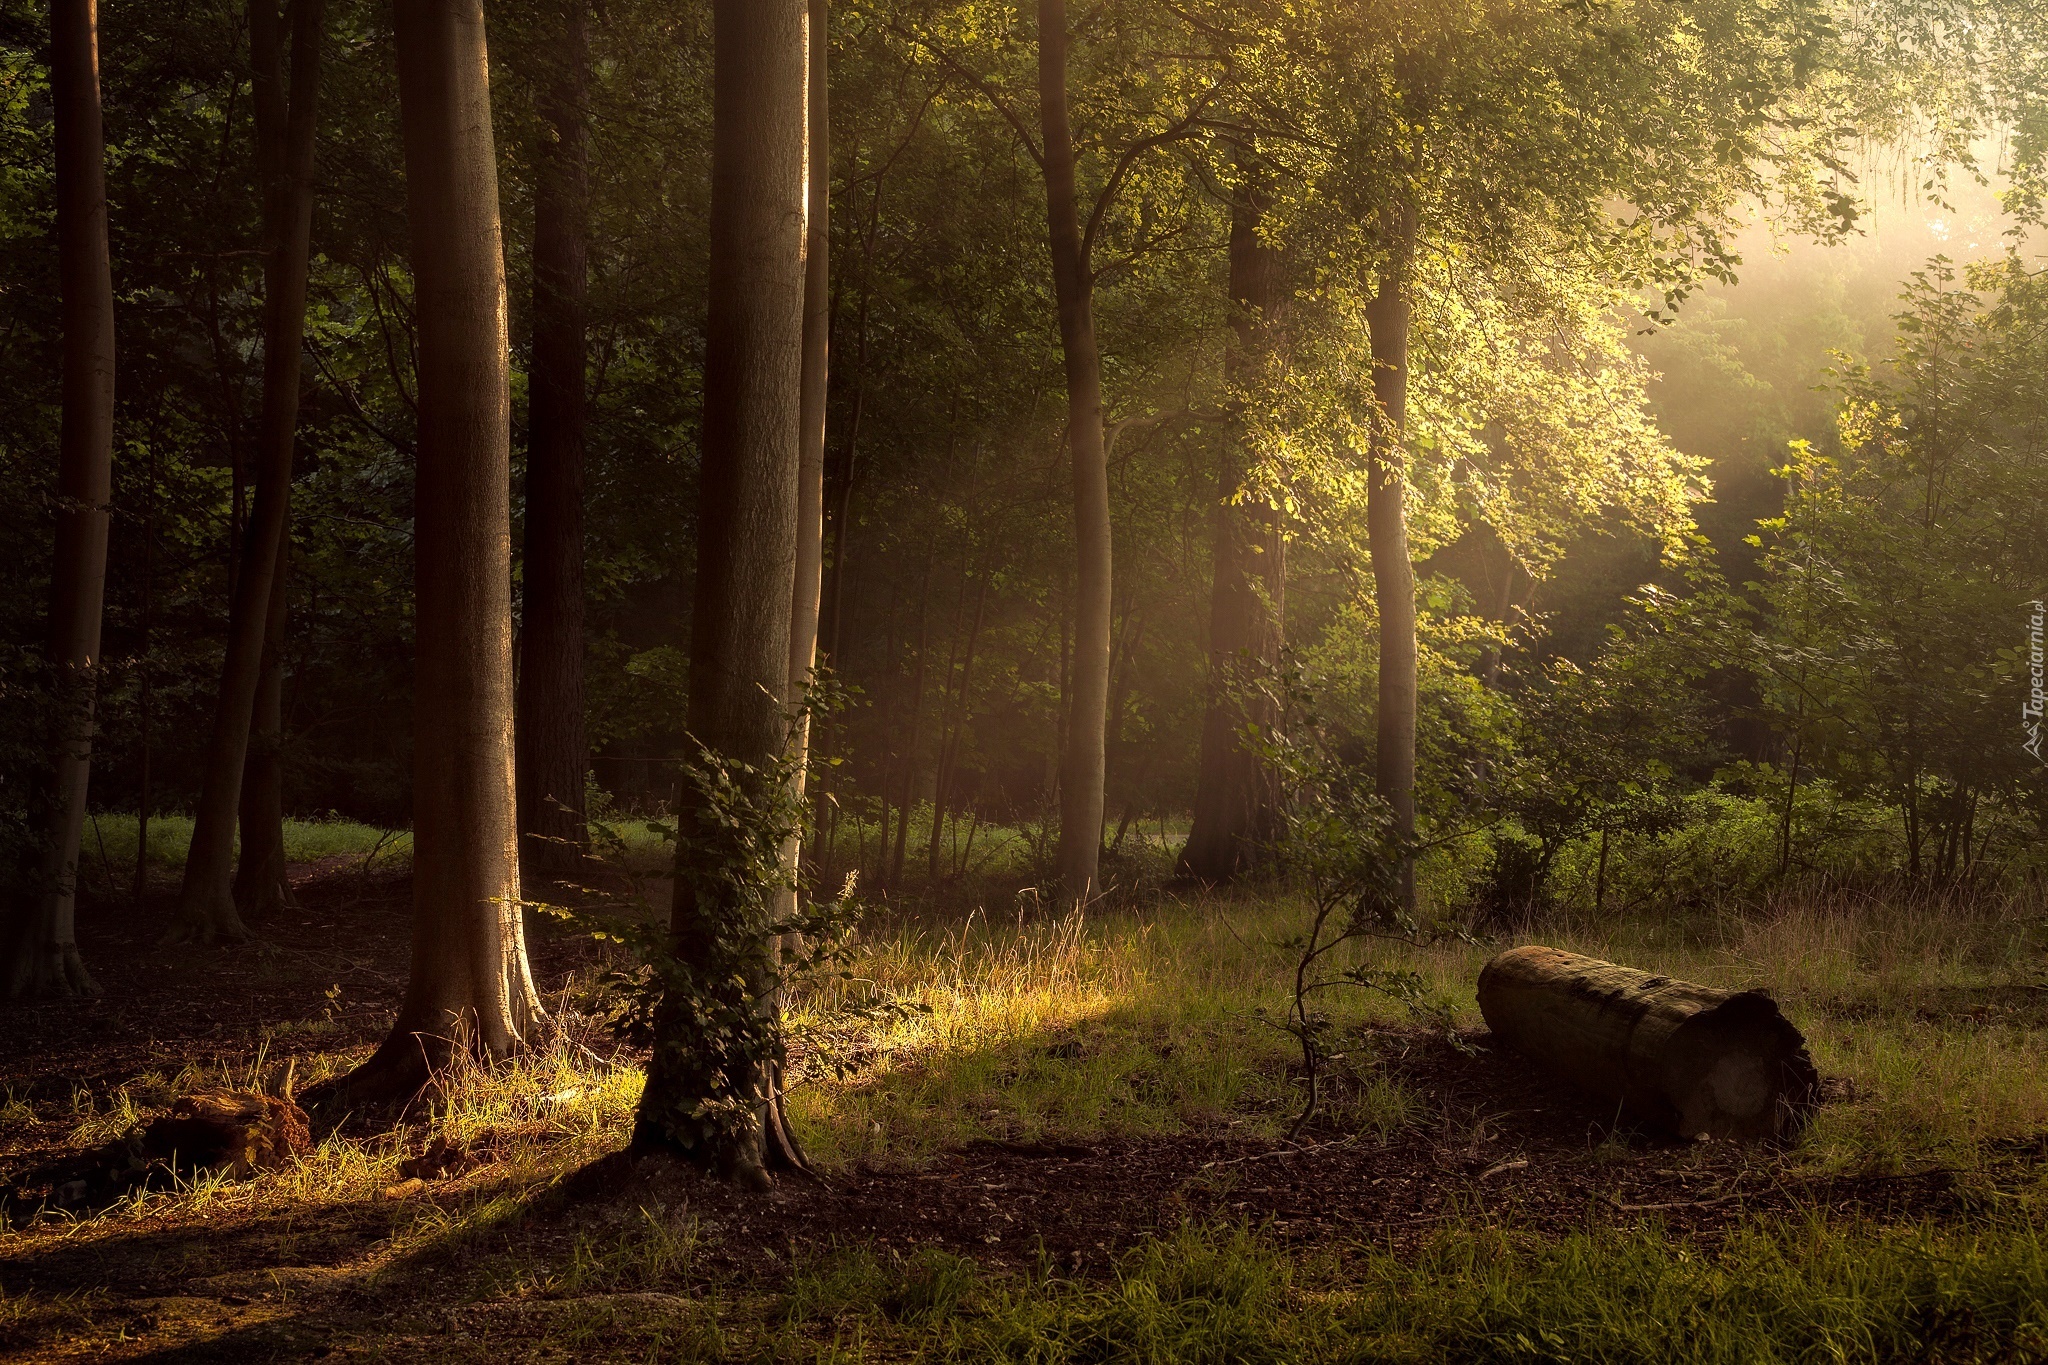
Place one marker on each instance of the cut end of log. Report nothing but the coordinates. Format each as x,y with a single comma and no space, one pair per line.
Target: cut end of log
1696,1061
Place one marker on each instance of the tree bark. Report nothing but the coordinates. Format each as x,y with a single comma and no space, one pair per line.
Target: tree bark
907,786
807,591
1690,1059
145,710
807,585
284,146
711,1099
1387,317
1236,797
950,734
42,954
469,988
817,335
1082,751
262,886
553,754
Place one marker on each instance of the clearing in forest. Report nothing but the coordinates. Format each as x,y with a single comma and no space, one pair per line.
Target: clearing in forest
1065,1142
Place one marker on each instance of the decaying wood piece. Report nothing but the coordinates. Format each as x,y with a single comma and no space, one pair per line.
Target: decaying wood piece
1697,1061
239,1131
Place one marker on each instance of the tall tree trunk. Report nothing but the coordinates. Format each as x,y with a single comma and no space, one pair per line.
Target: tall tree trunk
42,951
710,1095
552,752
808,580
1082,758
844,474
907,787
469,986
1393,574
817,335
949,734
1236,798
262,886
284,149
145,710
808,587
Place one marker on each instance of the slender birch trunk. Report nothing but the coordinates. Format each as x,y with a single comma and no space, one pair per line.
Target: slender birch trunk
1393,573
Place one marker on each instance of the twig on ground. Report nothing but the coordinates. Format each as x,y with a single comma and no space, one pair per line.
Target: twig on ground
1294,1149
1674,1204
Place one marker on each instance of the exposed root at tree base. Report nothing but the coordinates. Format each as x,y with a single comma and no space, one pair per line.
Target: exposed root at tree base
54,973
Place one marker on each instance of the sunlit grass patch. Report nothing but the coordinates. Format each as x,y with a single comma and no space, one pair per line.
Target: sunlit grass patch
1921,1091
525,1120
1144,1020
1124,1023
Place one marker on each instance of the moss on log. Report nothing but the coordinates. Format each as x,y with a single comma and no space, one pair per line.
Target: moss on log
1693,1060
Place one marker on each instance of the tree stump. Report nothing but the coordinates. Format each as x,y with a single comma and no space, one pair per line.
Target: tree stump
1693,1060
237,1130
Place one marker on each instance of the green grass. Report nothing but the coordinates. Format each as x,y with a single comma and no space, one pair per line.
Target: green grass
1775,1292
1139,1019
108,854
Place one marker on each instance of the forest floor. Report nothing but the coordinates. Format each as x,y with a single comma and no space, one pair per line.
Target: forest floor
1073,1151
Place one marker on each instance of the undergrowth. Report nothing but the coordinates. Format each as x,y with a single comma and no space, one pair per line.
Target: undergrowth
1773,1292
1930,1020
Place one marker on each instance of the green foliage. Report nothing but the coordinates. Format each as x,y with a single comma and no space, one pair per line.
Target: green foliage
1338,840
1599,749
705,997
1897,581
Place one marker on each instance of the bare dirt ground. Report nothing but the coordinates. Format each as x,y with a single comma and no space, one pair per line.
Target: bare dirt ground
303,1282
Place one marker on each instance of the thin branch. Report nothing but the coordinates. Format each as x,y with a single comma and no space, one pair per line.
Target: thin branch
1179,130
355,405
974,79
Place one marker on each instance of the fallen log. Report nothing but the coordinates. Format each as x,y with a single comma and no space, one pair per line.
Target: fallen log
1690,1059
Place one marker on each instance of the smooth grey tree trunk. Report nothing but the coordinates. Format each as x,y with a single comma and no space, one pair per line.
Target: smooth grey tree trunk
746,564
1082,761
817,333
807,592
284,141
470,988
552,750
42,951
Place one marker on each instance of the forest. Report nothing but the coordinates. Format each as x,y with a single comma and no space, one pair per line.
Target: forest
1134,681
